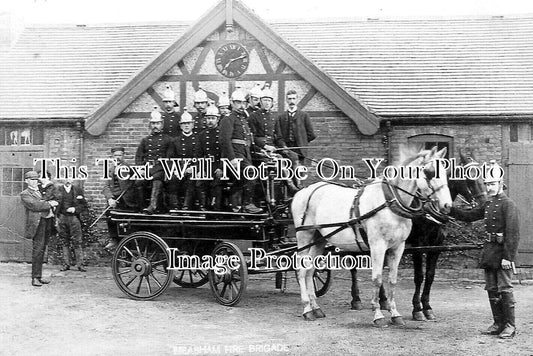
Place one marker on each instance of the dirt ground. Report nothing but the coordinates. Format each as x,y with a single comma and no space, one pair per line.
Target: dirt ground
86,314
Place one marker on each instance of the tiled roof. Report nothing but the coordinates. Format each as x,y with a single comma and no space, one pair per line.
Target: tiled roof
425,67
400,67
66,72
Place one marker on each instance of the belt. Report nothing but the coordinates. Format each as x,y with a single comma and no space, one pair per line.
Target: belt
494,237
240,142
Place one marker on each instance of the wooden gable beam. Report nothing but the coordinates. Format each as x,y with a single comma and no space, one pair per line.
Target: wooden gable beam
366,122
97,122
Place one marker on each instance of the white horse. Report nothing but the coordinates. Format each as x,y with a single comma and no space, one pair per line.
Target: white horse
384,207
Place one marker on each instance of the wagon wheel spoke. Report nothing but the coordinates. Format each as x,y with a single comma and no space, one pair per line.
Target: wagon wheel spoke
158,270
234,288
320,279
156,280
145,252
191,276
137,247
131,280
124,261
128,250
148,284
139,285
223,292
158,262
124,272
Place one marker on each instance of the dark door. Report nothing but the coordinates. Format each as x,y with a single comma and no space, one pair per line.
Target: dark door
13,165
521,191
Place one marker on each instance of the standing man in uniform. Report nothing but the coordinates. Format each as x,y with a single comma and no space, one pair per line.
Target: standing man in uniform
37,224
235,142
71,204
209,147
185,146
294,128
200,104
171,116
499,251
119,193
152,147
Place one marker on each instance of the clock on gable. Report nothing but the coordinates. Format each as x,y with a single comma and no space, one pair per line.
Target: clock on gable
232,60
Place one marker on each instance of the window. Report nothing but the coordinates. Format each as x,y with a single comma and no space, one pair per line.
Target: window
430,141
21,136
13,180
513,132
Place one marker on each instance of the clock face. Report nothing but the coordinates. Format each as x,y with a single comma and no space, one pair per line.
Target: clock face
232,60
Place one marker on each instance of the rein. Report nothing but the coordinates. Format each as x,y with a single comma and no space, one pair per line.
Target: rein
392,203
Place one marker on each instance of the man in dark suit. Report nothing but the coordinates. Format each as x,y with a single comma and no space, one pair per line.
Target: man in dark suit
71,204
116,188
294,128
38,226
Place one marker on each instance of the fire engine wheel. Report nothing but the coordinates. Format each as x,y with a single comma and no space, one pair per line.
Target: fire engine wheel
321,281
193,278
140,264
228,284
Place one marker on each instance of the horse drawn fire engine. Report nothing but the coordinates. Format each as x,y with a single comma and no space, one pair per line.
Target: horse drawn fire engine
153,247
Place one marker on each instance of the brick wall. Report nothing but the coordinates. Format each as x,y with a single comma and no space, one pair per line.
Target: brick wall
484,140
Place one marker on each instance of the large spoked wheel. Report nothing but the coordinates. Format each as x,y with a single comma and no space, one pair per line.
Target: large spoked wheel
140,266
228,286
321,281
193,278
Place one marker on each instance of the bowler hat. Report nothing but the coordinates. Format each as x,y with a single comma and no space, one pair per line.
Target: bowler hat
118,148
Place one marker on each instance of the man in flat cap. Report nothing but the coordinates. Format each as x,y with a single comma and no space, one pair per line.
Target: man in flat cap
119,193
38,226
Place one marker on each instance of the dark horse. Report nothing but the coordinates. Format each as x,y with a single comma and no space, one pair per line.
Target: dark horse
426,232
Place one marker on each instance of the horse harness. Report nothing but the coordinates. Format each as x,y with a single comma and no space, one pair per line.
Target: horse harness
392,201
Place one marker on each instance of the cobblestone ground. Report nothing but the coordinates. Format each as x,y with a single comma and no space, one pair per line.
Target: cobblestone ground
86,314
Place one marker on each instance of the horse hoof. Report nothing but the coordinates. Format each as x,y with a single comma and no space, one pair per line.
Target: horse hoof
357,305
318,313
430,315
397,321
380,323
419,316
309,316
